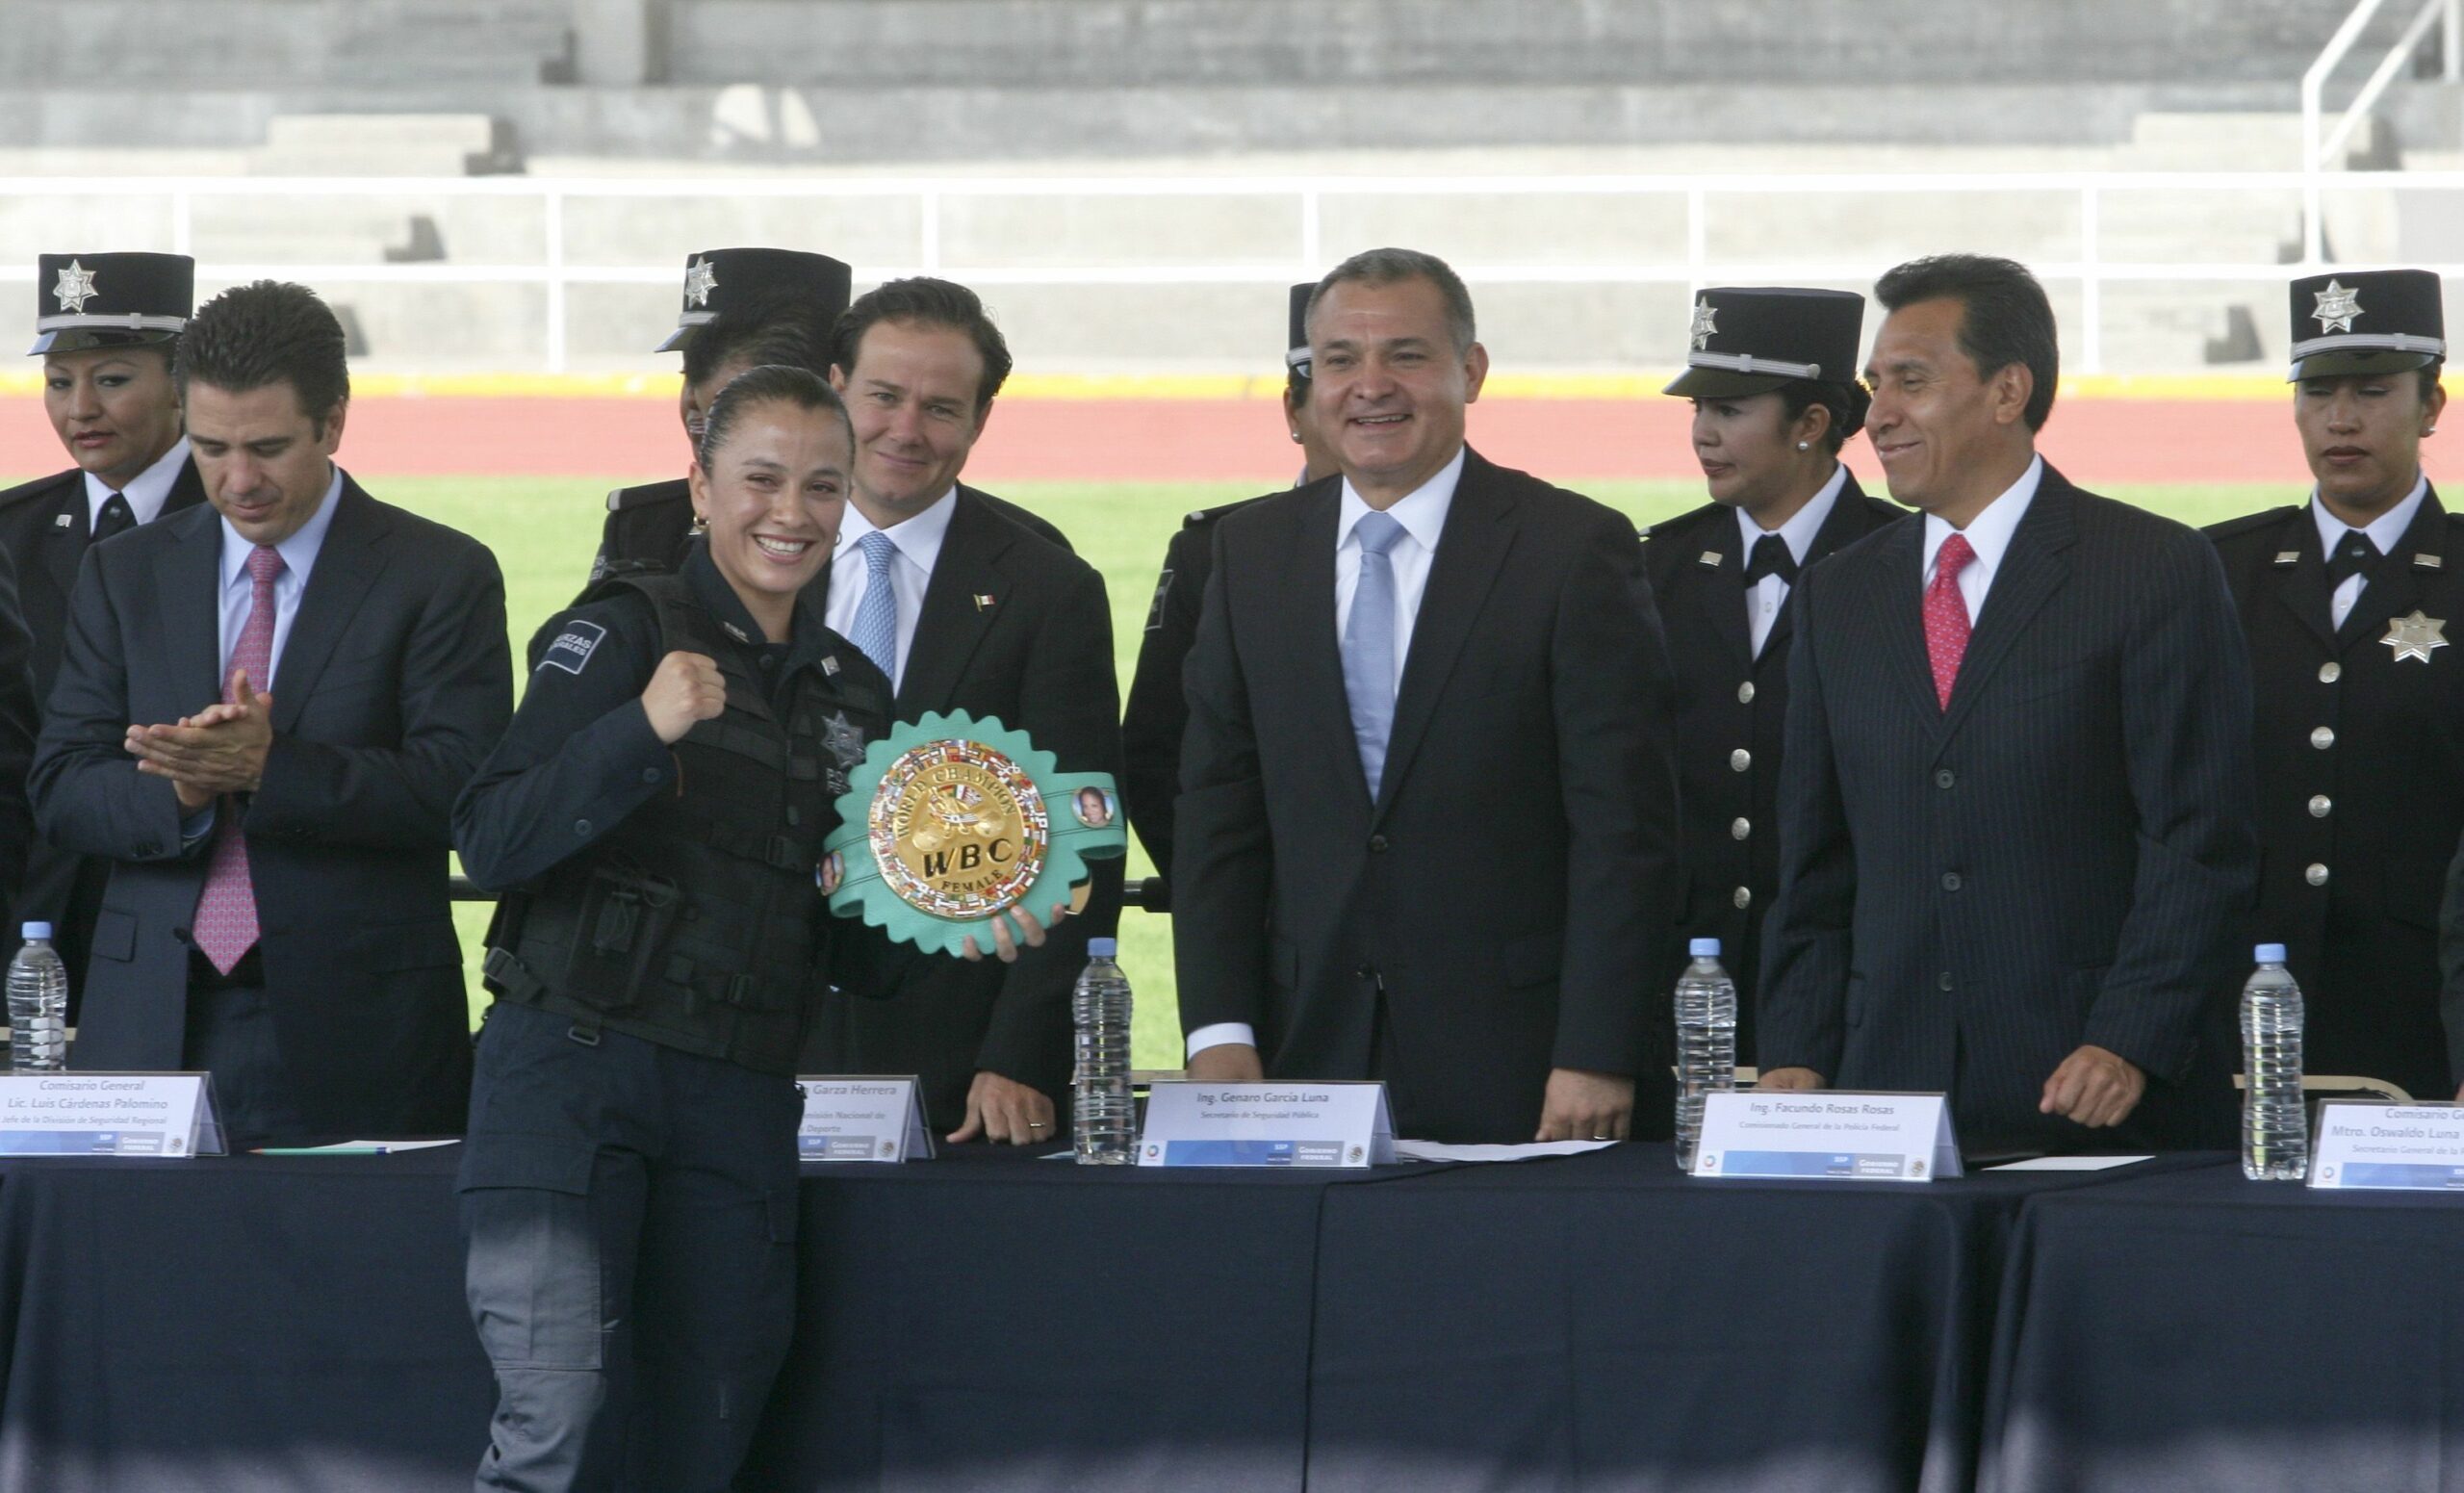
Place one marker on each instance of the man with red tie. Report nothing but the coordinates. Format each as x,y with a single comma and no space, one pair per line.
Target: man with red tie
2016,811
264,711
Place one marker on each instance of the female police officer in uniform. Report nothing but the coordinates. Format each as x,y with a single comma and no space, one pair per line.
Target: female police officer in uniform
656,810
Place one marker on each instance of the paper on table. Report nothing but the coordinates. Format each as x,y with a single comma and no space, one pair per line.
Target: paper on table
356,1148
1432,1150
2068,1162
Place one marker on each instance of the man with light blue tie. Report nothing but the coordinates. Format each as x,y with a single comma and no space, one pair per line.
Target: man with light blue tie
1428,823
964,608
266,708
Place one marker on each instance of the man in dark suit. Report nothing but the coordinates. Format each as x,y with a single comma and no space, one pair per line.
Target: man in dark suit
1771,373
1157,714
2014,855
2360,732
267,708
1428,823
19,719
743,308
964,610
105,325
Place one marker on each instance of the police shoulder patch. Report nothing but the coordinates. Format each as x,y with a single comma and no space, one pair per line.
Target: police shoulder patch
572,647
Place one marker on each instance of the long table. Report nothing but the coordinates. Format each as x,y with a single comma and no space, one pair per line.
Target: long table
2200,1332
991,1321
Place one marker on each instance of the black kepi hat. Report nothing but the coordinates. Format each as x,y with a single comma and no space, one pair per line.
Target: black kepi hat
111,300
738,279
1295,353
2365,321
1753,340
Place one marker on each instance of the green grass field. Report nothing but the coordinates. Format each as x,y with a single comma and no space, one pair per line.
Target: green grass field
544,531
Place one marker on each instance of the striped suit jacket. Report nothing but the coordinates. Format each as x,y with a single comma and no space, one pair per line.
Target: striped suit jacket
2061,857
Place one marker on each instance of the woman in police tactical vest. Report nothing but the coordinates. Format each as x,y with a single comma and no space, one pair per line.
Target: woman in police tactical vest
654,815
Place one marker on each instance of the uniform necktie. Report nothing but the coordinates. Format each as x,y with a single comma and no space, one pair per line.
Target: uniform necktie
1946,621
1369,645
2354,555
114,518
1771,557
876,614
227,908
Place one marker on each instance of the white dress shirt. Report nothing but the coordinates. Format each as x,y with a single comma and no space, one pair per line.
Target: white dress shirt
1989,534
2384,531
918,544
146,492
298,557
1423,514
1765,598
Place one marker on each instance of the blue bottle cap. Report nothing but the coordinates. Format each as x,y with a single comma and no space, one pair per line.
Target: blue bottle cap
1102,948
1703,949
2270,954
37,929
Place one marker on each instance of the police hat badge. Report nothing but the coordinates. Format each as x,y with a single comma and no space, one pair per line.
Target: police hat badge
2363,322
951,822
736,280
84,301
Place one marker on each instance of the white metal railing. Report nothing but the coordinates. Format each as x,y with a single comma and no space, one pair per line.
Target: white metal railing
2319,154
1704,200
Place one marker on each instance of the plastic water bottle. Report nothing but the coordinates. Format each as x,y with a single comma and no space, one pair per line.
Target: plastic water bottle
1102,1111
2275,1127
38,1005
1705,1041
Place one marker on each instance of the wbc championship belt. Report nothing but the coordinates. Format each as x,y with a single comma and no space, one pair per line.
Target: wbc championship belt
950,822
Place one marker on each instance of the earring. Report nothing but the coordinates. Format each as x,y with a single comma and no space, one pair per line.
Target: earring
1295,437
2429,429
1805,446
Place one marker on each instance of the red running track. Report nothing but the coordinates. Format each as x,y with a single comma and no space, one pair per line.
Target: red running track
1240,441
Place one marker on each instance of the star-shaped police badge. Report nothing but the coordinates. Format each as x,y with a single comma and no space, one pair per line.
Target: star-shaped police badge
2337,308
700,280
1706,318
76,287
843,739
2414,636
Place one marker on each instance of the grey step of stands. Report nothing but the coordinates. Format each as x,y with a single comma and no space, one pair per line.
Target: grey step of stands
1117,43
377,144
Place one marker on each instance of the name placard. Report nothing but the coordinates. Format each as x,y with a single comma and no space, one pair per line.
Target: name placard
1827,1134
1272,1125
2363,1146
108,1115
859,1119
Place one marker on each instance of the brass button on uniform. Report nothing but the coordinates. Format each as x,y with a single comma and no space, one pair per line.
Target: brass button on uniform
1740,759
2324,738
1740,829
2330,672
1743,898
1745,693
2321,805
2317,875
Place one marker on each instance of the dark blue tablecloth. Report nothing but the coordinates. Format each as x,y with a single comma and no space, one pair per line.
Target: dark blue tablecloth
2198,1331
1602,1322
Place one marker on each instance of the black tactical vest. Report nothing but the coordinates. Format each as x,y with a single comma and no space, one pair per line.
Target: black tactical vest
696,923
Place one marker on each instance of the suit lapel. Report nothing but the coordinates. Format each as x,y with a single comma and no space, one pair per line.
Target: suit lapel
1896,586
951,623
187,582
1847,521
63,545
1719,590
2303,587
1308,604
347,565
2032,569
1471,551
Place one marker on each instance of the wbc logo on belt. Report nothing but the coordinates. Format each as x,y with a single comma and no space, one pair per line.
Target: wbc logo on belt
951,822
